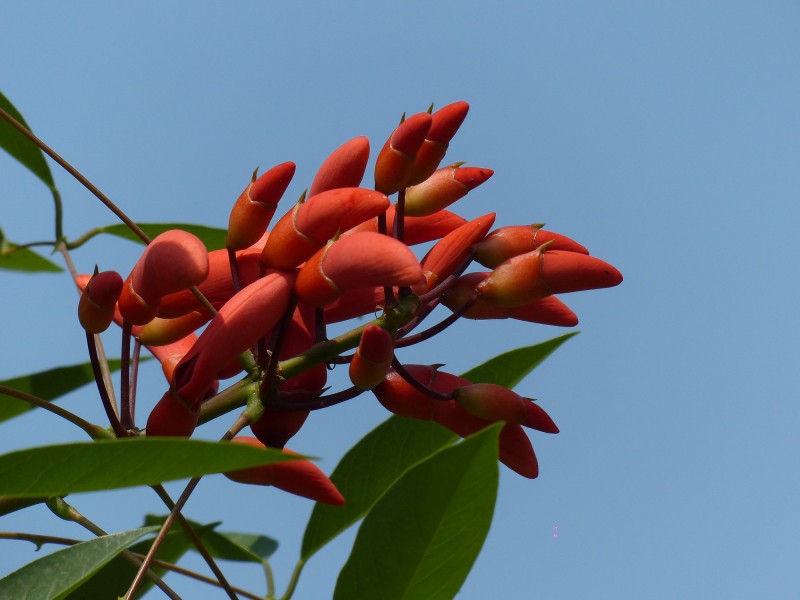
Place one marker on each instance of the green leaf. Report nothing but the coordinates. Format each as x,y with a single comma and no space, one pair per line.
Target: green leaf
370,468
422,537
212,237
112,464
113,580
24,260
49,385
240,547
20,147
57,574
511,367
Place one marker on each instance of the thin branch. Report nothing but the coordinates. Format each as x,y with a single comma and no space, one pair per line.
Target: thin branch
102,389
198,543
77,175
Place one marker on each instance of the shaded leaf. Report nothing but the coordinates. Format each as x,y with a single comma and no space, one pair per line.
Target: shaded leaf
240,547
212,237
422,537
113,580
111,464
48,385
20,147
57,574
511,367
24,260
370,468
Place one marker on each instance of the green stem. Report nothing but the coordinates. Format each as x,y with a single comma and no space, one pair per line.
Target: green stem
298,568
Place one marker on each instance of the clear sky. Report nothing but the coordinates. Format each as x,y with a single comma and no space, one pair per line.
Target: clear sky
663,136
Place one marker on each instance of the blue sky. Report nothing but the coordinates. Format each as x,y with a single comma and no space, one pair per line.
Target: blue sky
665,137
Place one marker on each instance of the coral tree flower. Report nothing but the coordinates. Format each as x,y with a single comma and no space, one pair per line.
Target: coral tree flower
443,188
253,210
444,125
344,168
245,318
506,242
356,261
300,477
527,277
98,299
175,260
372,358
310,224
393,167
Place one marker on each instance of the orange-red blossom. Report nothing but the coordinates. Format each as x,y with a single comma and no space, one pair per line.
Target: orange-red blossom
331,257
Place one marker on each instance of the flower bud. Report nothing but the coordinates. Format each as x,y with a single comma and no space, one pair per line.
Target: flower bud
399,397
527,277
502,244
372,358
160,332
417,230
172,417
175,260
444,124
443,188
96,306
547,311
497,403
310,224
277,426
253,210
299,477
356,261
343,168
248,316
452,250
396,159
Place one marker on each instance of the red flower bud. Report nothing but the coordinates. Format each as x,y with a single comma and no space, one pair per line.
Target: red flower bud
451,251
175,260
417,230
172,417
497,403
355,303
522,279
308,227
96,306
299,477
443,188
502,244
397,395
248,316
277,426
218,287
356,261
160,332
343,168
396,159
253,210
547,311
372,358
444,124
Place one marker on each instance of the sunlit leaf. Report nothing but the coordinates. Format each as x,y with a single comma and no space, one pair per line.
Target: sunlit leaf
422,537
511,367
48,385
55,575
212,237
370,468
23,259
110,464
20,147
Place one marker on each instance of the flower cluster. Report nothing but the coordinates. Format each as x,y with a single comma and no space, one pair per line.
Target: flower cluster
342,252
